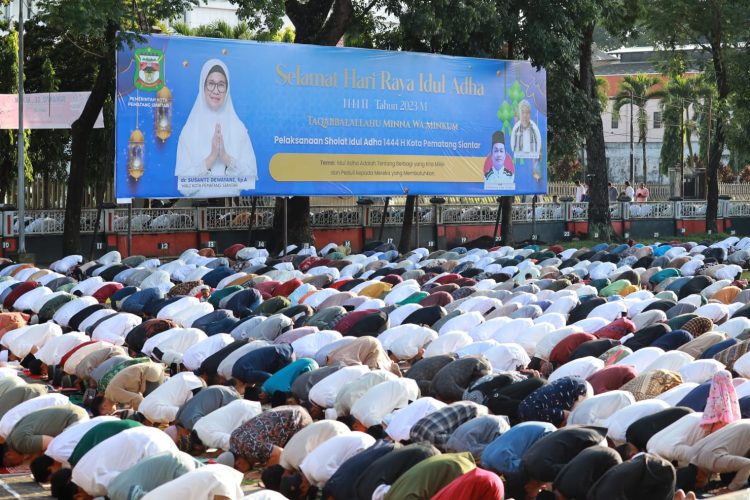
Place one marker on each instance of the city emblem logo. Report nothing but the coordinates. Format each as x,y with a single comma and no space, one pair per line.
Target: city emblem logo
150,69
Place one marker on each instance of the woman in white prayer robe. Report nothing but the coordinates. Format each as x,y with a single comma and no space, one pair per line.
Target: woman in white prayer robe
214,143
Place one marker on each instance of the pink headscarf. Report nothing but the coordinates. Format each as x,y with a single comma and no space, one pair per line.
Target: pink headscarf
722,407
172,432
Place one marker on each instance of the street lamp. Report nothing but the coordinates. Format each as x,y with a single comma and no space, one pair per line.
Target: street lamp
21,147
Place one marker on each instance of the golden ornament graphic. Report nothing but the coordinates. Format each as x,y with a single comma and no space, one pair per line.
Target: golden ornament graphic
136,154
163,114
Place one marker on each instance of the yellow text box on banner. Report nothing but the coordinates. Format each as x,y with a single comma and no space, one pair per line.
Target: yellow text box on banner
300,167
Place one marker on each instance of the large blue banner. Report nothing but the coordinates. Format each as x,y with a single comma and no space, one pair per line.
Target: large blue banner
199,118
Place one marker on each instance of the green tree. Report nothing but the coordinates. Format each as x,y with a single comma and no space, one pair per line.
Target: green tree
683,93
738,140
241,31
671,147
670,155
602,90
50,67
9,138
49,150
371,31
100,165
569,114
717,26
638,36
105,25
618,17
217,29
637,90
704,120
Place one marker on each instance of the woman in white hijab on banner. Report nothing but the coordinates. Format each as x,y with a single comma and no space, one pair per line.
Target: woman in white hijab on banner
214,154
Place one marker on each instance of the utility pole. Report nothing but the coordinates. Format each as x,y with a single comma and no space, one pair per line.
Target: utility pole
632,156
21,149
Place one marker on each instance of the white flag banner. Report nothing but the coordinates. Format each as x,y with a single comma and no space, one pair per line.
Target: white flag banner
47,110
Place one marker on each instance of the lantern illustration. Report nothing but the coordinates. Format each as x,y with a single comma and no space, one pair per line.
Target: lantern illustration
536,170
163,114
136,153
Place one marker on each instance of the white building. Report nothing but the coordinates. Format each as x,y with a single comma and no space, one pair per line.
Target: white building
212,11
201,14
613,67
10,12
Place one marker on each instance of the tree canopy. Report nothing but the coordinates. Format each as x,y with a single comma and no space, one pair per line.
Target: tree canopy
9,138
637,90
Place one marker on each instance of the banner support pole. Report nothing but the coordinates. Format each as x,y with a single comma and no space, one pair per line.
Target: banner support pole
497,219
533,218
251,222
286,225
130,227
382,219
418,216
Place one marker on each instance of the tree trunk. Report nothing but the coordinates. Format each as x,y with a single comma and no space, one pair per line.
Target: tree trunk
506,202
101,188
506,220
716,147
645,165
599,216
298,222
404,242
712,192
80,138
80,135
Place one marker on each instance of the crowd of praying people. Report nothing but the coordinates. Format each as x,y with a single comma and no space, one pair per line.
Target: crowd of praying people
614,372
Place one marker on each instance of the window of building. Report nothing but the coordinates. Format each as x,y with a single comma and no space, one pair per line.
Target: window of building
615,120
657,119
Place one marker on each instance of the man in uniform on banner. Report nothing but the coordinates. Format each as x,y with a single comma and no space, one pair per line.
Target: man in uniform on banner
501,172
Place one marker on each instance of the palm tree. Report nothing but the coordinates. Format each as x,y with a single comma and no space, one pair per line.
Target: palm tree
182,28
672,143
681,92
602,91
637,90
